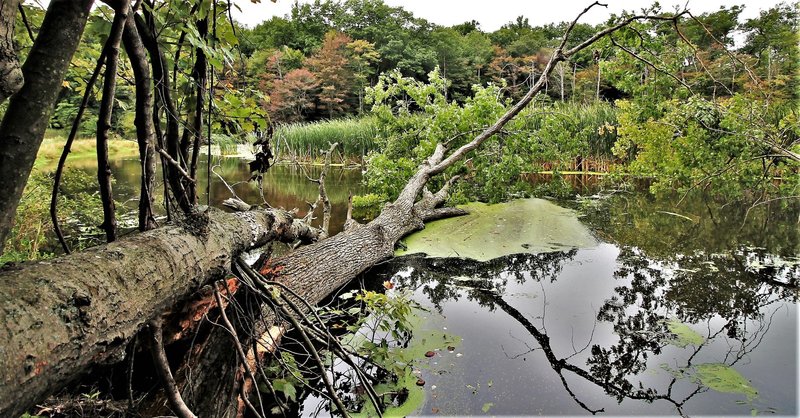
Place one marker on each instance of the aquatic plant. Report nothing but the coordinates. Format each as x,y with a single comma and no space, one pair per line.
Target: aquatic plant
306,141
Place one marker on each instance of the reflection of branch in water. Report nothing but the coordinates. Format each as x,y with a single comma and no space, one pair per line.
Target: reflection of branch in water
588,341
650,293
559,364
544,342
516,356
544,305
750,344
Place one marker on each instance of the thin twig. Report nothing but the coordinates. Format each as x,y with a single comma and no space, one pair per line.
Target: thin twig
650,64
176,165
239,351
25,22
68,147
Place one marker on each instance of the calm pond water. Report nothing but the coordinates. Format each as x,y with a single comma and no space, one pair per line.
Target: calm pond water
284,185
688,309
666,315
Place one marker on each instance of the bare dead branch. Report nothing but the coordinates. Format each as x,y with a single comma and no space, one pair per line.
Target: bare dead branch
565,38
650,64
175,165
239,352
323,195
162,367
236,204
25,22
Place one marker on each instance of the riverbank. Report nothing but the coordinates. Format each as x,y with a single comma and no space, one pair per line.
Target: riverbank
82,150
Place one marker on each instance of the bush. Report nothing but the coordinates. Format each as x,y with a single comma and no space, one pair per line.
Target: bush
414,116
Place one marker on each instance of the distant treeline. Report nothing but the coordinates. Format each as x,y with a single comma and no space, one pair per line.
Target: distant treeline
315,62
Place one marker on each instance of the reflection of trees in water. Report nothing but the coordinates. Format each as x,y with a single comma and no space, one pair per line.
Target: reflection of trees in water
440,278
660,228
695,289
698,287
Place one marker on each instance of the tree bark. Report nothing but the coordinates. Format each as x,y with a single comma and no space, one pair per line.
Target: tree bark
104,121
29,110
171,140
11,78
61,316
145,129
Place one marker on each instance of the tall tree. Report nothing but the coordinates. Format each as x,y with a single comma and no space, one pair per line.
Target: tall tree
362,58
773,39
330,65
10,74
292,96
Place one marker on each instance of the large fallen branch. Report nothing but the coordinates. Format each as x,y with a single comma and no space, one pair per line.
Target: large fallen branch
59,317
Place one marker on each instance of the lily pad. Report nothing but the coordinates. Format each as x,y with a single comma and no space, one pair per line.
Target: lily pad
684,336
723,378
490,231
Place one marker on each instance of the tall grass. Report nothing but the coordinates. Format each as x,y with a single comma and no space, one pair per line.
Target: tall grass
589,129
308,141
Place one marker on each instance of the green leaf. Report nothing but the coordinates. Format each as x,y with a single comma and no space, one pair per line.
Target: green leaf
286,387
216,63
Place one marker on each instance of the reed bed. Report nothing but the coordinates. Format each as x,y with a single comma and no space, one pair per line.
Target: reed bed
309,141
587,130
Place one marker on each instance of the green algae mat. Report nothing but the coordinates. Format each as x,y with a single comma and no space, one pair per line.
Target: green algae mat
491,231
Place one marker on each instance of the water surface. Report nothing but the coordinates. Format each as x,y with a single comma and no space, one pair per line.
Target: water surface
671,313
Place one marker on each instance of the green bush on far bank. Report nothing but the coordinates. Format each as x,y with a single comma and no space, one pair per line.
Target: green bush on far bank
726,145
79,210
414,116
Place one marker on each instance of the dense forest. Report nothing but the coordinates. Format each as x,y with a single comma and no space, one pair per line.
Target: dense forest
316,62
676,103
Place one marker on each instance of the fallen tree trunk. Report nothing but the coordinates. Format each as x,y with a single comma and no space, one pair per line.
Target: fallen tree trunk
59,317
212,382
